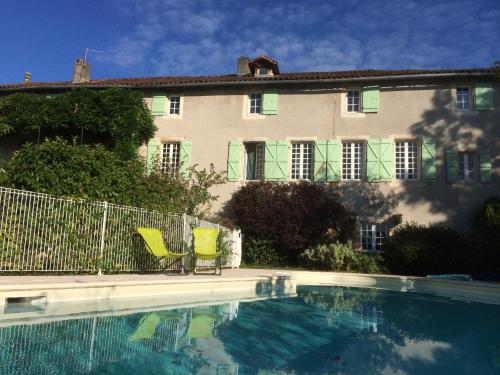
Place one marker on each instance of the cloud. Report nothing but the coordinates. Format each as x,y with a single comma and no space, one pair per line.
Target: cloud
204,37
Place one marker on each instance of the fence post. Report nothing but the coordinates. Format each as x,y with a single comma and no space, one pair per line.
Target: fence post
103,233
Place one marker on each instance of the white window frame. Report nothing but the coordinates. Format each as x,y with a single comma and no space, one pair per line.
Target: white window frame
267,73
375,241
467,169
171,164
469,96
170,102
259,161
349,106
302,168
406,159
352,167
250,106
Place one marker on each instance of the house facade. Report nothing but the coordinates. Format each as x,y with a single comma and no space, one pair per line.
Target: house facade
402,145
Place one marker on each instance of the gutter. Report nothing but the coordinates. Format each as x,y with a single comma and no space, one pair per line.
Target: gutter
257,82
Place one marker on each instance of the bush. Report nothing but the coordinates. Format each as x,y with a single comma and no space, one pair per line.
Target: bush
489,231
341,257
419,250
293,216
81,171
261,252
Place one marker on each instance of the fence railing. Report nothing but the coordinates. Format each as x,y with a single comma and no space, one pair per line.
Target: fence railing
39,232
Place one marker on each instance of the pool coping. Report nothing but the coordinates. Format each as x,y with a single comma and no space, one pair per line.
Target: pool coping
84,294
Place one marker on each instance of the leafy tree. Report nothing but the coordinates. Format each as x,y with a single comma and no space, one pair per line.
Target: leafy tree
115,117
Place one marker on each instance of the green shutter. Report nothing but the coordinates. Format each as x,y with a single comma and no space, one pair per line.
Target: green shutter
185,159
270,102
333,160
485,165
370,99
276,161
483,97
152,154
320,160
158,105
379,160
373,160
452,165
428,160
386,159
233,161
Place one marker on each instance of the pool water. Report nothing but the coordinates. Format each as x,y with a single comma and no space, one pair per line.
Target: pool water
323,330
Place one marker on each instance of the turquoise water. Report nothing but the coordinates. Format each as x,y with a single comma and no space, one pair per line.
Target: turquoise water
323,330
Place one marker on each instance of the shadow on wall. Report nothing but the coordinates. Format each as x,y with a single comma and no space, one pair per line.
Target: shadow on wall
451,203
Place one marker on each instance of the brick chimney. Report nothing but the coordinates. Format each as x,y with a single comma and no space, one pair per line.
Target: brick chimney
81,71
242,67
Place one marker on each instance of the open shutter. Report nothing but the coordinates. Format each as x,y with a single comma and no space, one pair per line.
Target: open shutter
485,165
386,159
185,159
320,160
333,160
282,160
158,105
483,97
233,161
370,99
270,102
373,160
451,165
152,154
428,160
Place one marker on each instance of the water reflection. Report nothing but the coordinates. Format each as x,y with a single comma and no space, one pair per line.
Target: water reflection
322,331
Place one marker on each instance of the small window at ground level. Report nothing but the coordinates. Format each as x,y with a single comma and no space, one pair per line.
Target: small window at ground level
353,102
372,236
254,161
466,166
463,99
255,101
302,159
170,157
175,105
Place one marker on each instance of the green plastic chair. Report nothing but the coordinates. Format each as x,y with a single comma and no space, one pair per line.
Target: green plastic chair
147,325
205,247
154,243
201,326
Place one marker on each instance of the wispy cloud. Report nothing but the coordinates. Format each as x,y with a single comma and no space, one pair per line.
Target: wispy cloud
204,37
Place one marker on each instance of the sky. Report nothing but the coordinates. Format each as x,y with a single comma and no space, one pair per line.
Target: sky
205,37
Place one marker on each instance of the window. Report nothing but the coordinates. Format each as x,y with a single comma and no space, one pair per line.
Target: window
372,236
352,101
406,160
255,101
170,157
352,157
463,99
254,161
175,105
262,71
302,161
466,166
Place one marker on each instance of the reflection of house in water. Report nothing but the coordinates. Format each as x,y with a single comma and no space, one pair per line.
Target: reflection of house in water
360,318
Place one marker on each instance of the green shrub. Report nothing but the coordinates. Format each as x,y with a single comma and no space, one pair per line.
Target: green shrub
81,171
261,252
341,257
294,216
420,250
489,231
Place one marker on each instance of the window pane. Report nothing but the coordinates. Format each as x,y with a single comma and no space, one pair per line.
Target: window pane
352,158
467,166
175,104
170,158
250,150
372,236
463,99
301,161
255,103
352,101
406,160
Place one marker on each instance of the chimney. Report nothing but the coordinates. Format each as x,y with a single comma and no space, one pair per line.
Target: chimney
81,72
243,66
27,77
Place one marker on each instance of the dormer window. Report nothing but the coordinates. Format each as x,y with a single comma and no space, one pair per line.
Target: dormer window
263,72
263,66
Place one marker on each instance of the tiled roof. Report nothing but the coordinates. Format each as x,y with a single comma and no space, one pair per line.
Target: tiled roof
209,80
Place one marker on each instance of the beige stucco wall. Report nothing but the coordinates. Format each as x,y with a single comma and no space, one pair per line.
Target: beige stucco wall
212,117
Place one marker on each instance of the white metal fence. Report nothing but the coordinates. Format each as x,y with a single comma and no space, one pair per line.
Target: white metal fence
39,232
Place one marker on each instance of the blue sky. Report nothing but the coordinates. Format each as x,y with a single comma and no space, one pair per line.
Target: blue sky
199,37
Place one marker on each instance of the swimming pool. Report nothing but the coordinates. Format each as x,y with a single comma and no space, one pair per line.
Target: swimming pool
321,330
